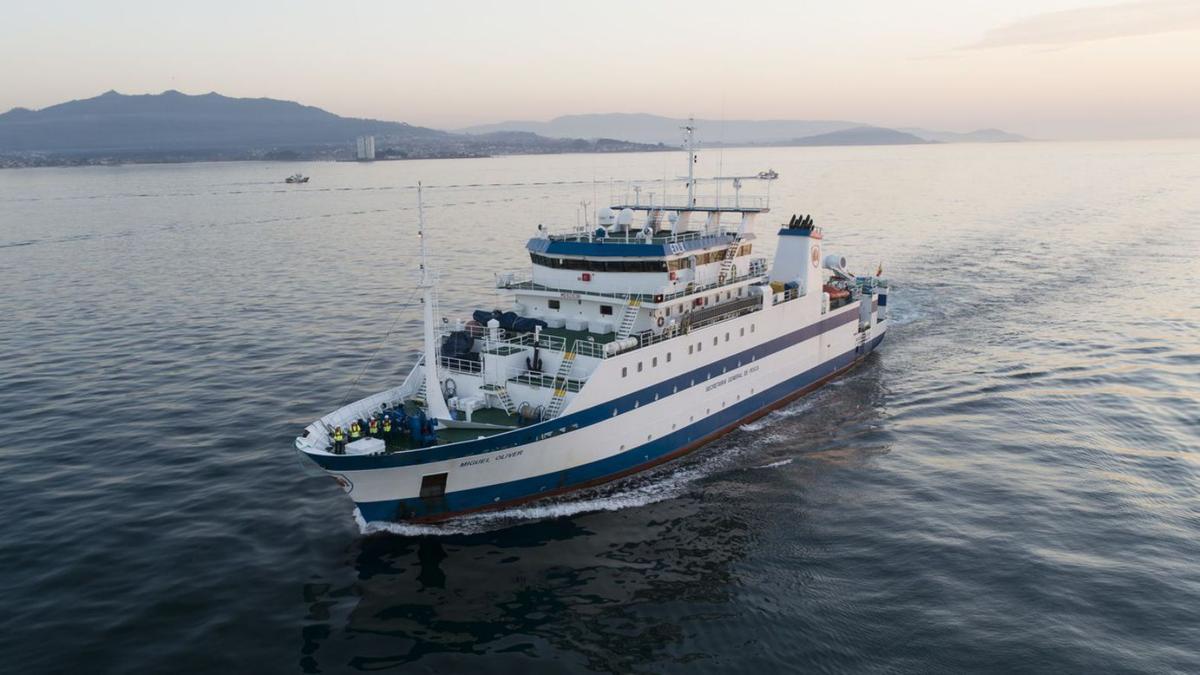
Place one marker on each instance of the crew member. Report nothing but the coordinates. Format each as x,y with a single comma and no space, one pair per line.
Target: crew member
373,427
339,441
387,427
355,431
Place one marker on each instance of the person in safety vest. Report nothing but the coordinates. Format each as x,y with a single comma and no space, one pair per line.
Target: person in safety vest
387,428
339,441
355,431
373,427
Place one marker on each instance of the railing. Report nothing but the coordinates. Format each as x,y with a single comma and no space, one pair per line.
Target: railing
708,317
504,339
509,282
635,237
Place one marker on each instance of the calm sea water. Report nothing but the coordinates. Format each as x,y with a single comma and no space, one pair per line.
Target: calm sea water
1012,483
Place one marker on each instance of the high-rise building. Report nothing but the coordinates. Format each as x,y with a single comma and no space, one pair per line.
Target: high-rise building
366,148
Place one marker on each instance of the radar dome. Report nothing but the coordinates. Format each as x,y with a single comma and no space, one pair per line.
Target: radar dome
605,217
625,219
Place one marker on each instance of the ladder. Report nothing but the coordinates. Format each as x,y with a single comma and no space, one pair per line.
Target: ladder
730,257
629,318
501,393
560,385
420,397
505,399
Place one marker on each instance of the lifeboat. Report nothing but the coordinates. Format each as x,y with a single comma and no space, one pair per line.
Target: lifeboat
836,293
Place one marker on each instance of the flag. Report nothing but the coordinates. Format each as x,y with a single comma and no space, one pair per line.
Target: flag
879,270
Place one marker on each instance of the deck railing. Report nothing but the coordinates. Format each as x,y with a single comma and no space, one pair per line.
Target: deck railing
510,282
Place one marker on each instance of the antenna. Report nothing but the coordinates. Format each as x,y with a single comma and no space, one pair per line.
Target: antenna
425,279
689,138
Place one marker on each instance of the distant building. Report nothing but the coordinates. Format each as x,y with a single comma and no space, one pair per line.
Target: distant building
366,148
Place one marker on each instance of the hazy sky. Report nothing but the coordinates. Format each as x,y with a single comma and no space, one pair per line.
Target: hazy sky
1048,68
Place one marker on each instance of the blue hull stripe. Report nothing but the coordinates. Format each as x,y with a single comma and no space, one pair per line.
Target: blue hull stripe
626,462
588,416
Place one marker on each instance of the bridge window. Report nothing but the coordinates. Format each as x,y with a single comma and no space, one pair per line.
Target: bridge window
584,265
553,304
606,310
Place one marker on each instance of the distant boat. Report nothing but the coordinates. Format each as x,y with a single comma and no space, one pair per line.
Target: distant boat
296,178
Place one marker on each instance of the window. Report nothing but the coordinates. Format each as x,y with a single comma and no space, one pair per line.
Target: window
639,366
699,346
715,340
433,486
654,362
668,311
742,332
606,310
668,357
553,304
727,337
751,328
624,371
691,348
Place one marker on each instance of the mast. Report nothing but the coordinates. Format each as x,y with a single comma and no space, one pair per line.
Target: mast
690,144
435,403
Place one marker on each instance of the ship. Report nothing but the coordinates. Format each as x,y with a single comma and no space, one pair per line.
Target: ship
634,339
296,178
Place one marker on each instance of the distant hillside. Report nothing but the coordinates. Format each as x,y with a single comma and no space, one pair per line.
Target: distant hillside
175,121
644,128
977,136
860,136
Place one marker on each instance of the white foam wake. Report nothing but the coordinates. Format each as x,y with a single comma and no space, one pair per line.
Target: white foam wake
773,465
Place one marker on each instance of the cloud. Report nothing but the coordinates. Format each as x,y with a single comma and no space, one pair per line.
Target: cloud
1085,24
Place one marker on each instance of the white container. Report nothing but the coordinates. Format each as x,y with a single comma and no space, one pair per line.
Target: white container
600,327
365,446
555,321
575,323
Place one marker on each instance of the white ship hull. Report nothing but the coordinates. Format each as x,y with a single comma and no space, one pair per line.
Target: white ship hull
621,425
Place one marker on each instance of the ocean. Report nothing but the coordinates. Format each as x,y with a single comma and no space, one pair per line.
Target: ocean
1012,483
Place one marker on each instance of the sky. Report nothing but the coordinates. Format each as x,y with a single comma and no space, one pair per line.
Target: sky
1067,69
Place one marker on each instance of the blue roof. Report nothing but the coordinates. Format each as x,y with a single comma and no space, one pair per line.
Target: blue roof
600,248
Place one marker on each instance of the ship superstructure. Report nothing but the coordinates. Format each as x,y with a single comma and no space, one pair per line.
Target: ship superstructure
631,341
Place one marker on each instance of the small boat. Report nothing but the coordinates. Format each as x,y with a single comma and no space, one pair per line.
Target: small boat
296,178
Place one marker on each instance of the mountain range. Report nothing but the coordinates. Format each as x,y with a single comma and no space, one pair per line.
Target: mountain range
645,128
173,126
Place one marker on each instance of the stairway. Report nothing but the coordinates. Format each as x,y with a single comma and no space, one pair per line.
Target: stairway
730,257
501,393
420,397
560,386
505,400
629,318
